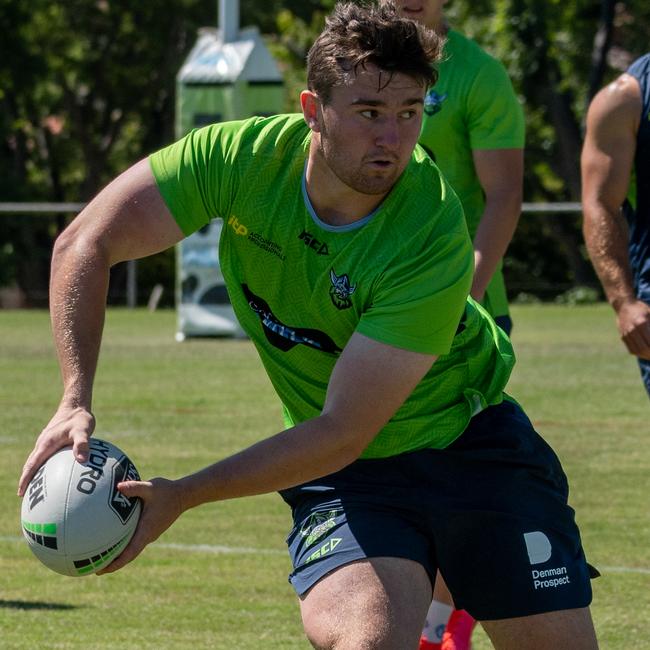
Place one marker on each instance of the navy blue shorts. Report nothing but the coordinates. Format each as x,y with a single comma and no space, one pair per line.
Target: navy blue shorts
644,366
490,511
505,323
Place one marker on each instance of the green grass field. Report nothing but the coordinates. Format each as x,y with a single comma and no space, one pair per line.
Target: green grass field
217,579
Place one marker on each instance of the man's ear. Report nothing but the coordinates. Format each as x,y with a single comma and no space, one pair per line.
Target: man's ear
310,104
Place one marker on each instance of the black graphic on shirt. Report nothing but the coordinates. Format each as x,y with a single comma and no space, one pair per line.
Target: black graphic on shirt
285,337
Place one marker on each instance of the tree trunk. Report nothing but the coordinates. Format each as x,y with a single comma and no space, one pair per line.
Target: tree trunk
602,43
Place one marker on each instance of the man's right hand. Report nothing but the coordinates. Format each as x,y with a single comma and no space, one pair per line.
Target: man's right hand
633,320
69,426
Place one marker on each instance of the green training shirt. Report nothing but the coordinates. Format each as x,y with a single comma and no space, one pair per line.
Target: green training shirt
301,288
472,106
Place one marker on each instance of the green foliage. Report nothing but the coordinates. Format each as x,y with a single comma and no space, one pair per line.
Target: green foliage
578,296
87,88
295,34
552,52
7,265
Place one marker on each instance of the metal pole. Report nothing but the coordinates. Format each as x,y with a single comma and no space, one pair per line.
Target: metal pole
229,20
131,284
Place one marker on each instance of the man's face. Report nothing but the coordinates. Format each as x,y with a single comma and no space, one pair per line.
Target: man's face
367,131
427,12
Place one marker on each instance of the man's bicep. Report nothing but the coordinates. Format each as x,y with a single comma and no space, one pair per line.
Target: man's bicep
606,164
609,147
370,382
129,218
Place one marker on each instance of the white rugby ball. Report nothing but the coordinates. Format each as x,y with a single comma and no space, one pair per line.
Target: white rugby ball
73,516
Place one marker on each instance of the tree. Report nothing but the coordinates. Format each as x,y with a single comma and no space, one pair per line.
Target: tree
558,55
87,88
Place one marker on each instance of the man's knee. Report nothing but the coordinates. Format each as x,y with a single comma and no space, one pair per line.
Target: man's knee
326,631
361,621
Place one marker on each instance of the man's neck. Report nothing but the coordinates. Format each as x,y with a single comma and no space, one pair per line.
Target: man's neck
334,202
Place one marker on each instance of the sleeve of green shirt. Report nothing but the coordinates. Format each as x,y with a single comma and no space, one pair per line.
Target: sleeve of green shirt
495,118
194,175
420,298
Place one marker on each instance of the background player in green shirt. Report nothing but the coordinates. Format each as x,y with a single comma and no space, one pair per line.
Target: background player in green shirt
403,451
473,127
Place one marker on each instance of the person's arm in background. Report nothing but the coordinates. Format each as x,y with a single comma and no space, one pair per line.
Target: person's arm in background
606,163
496,132
500,172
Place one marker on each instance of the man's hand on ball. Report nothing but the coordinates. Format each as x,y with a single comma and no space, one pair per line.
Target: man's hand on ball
69,426
161,506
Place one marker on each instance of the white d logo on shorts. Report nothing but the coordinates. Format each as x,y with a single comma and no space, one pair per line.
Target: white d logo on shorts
538,547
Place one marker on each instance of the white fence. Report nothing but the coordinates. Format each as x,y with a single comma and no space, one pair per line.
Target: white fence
45,208
39,209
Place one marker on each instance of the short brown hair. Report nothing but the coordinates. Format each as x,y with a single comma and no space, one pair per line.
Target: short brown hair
357,35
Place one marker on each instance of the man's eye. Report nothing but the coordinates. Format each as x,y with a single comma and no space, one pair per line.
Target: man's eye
407,115
369,114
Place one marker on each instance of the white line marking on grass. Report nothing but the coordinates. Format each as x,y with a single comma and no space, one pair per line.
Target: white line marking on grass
197,548
623,569
244,550
209,548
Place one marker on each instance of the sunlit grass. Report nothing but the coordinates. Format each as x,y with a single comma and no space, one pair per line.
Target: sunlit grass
175,407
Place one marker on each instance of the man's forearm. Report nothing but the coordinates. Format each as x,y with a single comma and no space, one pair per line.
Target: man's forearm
492,238
606,237
307,451
78,289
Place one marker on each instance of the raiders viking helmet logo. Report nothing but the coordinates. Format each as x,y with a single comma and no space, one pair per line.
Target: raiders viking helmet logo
341,290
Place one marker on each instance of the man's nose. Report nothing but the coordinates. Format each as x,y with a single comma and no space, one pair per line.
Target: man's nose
388,136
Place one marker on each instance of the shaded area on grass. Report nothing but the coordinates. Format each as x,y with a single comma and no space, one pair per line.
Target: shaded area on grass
35,604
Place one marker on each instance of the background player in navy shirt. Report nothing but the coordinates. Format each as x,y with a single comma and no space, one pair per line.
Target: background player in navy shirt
616,202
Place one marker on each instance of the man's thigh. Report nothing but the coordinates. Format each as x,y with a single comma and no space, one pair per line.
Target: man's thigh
570,629
374,604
